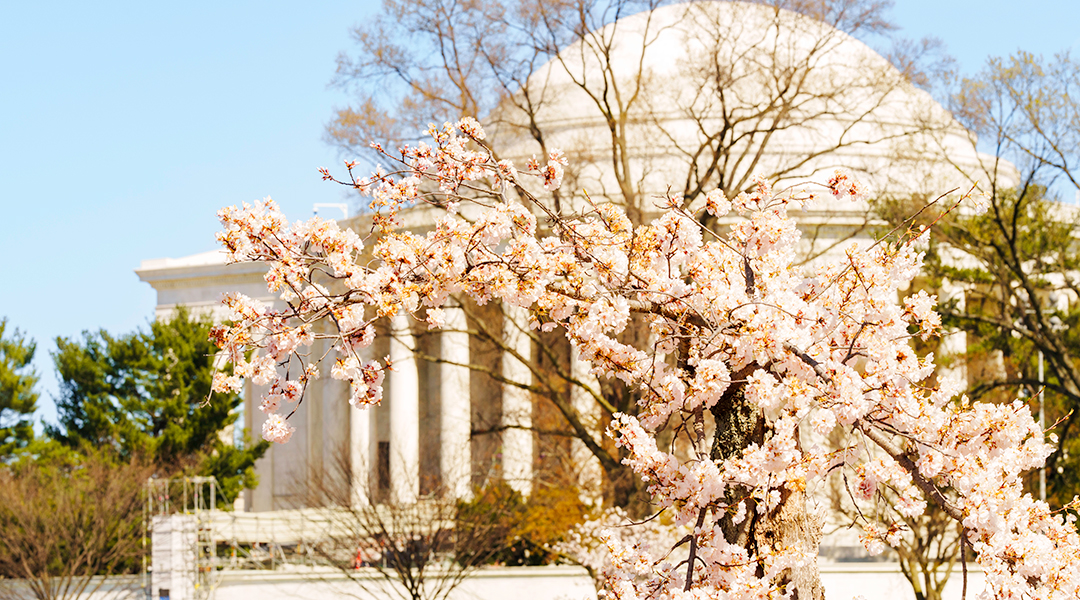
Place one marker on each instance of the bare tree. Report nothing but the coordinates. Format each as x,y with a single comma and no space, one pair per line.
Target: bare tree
745,81
65,527
419,549
928,555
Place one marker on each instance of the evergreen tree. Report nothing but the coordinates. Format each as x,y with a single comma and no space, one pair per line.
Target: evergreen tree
18,400
146,394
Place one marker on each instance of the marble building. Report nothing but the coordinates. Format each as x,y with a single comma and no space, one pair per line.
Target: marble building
419,438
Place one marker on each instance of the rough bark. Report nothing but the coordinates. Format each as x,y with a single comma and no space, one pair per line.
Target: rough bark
791,526
738,424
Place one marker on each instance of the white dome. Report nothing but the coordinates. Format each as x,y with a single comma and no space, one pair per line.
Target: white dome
672,78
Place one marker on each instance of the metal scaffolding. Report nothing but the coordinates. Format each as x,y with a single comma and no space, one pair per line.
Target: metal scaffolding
183,547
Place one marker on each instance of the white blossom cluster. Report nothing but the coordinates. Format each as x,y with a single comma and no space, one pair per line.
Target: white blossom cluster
588,543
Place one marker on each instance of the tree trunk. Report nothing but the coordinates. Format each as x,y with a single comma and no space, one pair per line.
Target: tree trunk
739,423
790,526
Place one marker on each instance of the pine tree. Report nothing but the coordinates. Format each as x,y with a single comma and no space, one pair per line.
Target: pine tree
18,400
145,393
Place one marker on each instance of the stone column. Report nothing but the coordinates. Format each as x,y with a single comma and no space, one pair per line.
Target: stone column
455,457
363,443
315,439
361,454
590,474
404,413
517,440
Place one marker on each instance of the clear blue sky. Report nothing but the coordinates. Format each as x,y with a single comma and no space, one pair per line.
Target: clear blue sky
124,127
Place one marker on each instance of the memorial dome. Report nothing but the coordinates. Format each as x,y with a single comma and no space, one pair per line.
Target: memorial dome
691,97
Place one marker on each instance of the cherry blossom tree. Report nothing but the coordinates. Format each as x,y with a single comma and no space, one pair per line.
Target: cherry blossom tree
642,95
753,360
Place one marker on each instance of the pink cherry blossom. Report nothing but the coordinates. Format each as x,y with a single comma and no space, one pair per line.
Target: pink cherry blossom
275,429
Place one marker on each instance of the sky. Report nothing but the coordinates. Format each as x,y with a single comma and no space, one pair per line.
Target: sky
125,126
